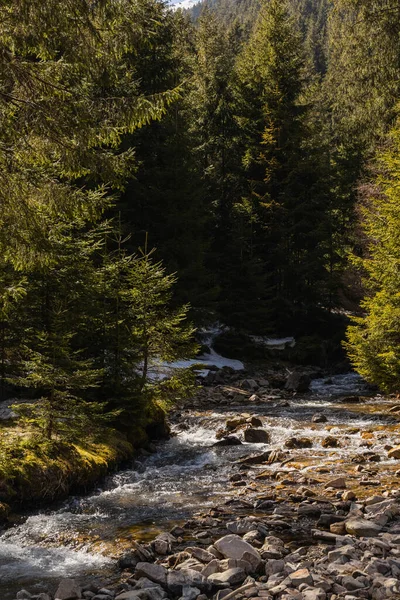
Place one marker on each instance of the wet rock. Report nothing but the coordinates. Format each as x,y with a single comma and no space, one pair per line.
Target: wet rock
319,418
256,436
23,595
177,531
304,491
232,546
256,422
394,453
177,580
330,442
141,553
234,423
302,442
350,399
298,382
338,483
156,573
249,385
362,527
230,440
228,578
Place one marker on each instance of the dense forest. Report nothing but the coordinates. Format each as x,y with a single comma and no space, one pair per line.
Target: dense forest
162,170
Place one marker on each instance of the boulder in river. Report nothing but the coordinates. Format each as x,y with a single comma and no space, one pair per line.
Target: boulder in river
255,459
256,422
319,418
302,442
234,423
256,436
298,382
230,440
394,453
330,442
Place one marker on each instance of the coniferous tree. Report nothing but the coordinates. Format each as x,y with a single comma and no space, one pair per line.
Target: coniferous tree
374,339
286,222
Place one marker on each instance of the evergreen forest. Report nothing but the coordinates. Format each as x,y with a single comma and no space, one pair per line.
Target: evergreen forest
162,170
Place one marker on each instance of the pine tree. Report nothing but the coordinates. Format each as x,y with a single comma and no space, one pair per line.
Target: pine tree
374,339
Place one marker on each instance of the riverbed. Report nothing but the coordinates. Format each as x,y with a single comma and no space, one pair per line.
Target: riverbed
84,536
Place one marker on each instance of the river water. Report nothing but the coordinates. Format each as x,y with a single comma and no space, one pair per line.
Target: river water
84,535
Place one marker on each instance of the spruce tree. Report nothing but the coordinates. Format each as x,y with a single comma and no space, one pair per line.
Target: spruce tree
373,341
287,223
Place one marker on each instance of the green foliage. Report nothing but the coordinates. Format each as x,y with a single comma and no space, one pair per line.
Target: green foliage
373,340
69,92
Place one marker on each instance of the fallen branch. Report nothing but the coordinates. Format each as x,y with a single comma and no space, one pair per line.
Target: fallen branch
245,587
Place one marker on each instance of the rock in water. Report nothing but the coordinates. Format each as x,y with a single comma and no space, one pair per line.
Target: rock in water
230,440
319,418
256,436
394,453
298,382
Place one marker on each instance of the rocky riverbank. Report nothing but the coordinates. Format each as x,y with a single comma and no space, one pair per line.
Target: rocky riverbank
353,552
316,517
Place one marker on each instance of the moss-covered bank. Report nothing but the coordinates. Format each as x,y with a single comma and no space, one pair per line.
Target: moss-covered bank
35,471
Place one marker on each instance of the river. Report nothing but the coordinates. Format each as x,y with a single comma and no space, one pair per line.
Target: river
83,537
